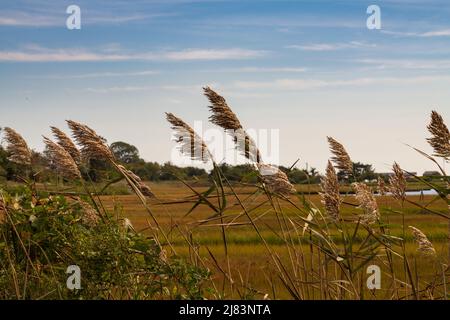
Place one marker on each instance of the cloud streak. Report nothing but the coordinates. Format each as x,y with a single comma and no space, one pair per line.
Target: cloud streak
427,34
83,55
39,19
305,84
331,46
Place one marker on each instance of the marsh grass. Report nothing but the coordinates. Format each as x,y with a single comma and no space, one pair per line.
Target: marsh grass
299,245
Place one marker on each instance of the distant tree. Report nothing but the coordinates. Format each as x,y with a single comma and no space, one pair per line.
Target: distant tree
125,152
361,172
192,172
301,176
147,170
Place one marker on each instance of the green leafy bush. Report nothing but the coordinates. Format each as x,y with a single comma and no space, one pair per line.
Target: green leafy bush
41,236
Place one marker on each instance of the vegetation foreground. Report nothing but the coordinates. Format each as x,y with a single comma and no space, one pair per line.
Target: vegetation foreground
260,238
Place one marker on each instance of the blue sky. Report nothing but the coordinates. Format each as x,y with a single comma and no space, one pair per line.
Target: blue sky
307,68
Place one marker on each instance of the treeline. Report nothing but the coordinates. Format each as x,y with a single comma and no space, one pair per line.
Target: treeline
97,171
128,155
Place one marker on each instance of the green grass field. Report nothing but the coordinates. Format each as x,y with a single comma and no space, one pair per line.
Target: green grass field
250,265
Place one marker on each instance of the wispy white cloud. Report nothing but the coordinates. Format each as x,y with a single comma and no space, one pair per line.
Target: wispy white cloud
408,64
94,75
212,54
331,46
304,84
258,70
185,89
428,34
39,19
38,54
437,33
118,89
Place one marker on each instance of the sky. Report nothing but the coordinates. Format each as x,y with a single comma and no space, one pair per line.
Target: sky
303,69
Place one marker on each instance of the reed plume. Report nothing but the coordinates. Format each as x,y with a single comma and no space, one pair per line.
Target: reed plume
17,147
64,141
92,145
341,158
190,142
440,140
90,215
366,201
330,193
275,180
425,245
224,117
62,160
136,181
398,183
381,186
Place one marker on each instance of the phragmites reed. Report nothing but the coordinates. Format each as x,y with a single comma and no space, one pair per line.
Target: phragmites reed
366,201
425,245
224,117
136,181
341,158
381,186
65,142
440,140
190,142
92,145
90,215
275,180
17,147
62,160
330,193
398,183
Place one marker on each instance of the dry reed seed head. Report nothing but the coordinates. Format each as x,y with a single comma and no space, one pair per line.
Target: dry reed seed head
64,141
222,115
136,181
440,140
341,158
127,224
246,145
62,160
330,193
276,180
17,147
90,215
398,183
92,145
190,143
425,245
381,186
366,201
